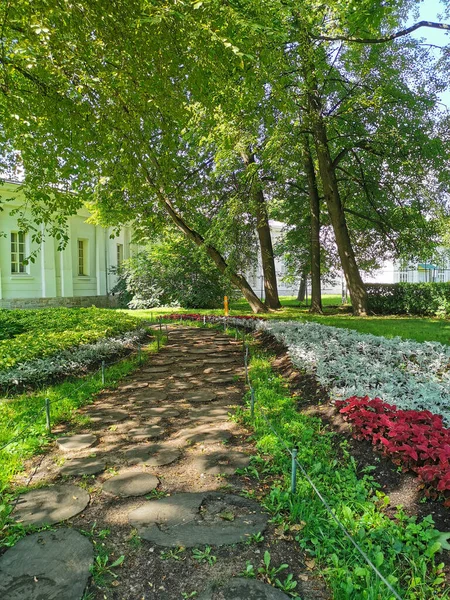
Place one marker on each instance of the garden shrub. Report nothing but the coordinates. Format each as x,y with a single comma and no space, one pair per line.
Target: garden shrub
40,333
423,299
415,440
171,273
9,325
73,361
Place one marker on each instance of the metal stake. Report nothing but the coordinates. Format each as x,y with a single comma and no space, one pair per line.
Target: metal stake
167,332
160,326
252,402
47,415
204,320
139,353
294,471
103,372
246,364
157,340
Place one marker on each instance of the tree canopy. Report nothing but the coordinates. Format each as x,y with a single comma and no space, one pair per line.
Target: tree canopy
147,109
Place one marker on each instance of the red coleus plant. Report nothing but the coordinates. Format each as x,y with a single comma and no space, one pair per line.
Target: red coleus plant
414,440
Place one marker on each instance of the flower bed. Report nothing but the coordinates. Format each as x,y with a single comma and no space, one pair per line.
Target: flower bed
27,335
411,375
76,361
414,440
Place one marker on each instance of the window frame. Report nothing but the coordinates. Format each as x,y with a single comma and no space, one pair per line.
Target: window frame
119,255
82,257
20,254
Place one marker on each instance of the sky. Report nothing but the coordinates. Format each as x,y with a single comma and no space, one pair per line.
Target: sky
429,11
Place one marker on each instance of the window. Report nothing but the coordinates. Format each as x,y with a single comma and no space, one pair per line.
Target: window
18,252
119,255
82,258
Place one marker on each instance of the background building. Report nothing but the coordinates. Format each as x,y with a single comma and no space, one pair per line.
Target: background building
79,275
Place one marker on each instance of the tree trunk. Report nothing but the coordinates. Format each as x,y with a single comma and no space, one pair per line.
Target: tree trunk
314,207
236,279
302,289
265,241
358,293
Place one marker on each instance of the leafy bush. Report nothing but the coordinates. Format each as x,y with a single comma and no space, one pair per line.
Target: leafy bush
43,332
9,326
172,273
415,440
424,299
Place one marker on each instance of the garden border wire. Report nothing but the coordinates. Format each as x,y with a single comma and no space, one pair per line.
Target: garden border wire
296,463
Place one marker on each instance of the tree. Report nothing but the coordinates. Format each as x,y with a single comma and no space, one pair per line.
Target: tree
91,101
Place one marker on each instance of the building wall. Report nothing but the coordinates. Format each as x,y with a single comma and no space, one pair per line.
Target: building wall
255,276
53,278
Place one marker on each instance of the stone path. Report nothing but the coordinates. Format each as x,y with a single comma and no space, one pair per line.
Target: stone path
50,565
156,464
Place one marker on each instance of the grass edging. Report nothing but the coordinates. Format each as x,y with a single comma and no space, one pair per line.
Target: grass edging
404,550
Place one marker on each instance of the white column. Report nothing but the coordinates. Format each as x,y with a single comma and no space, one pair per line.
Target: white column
100,264
48,271
67,267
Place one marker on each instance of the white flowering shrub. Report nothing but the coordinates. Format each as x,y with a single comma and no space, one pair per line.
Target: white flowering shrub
74,361
409,374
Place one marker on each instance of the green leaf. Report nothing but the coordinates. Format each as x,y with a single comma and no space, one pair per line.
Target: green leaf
118,562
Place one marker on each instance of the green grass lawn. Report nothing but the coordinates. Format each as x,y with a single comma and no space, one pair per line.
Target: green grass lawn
421,329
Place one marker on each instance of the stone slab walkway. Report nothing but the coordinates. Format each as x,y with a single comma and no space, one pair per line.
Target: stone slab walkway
154,470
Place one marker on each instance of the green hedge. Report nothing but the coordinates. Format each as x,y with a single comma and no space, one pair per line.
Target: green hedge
424,299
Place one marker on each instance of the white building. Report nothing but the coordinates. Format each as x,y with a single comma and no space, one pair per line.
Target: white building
79,275
256,277
390,272
418,272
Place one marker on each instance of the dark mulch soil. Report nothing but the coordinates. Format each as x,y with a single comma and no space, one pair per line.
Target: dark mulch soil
402,488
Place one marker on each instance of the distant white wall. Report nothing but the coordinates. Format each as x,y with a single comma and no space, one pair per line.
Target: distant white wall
55,274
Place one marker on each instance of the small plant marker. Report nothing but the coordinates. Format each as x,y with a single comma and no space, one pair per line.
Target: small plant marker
103,372
47,415
252,402
294,471
246,363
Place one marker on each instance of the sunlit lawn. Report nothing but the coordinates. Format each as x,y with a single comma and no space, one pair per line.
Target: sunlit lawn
414,328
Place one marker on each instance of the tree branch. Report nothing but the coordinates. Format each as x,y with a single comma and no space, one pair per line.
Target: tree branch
388,38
